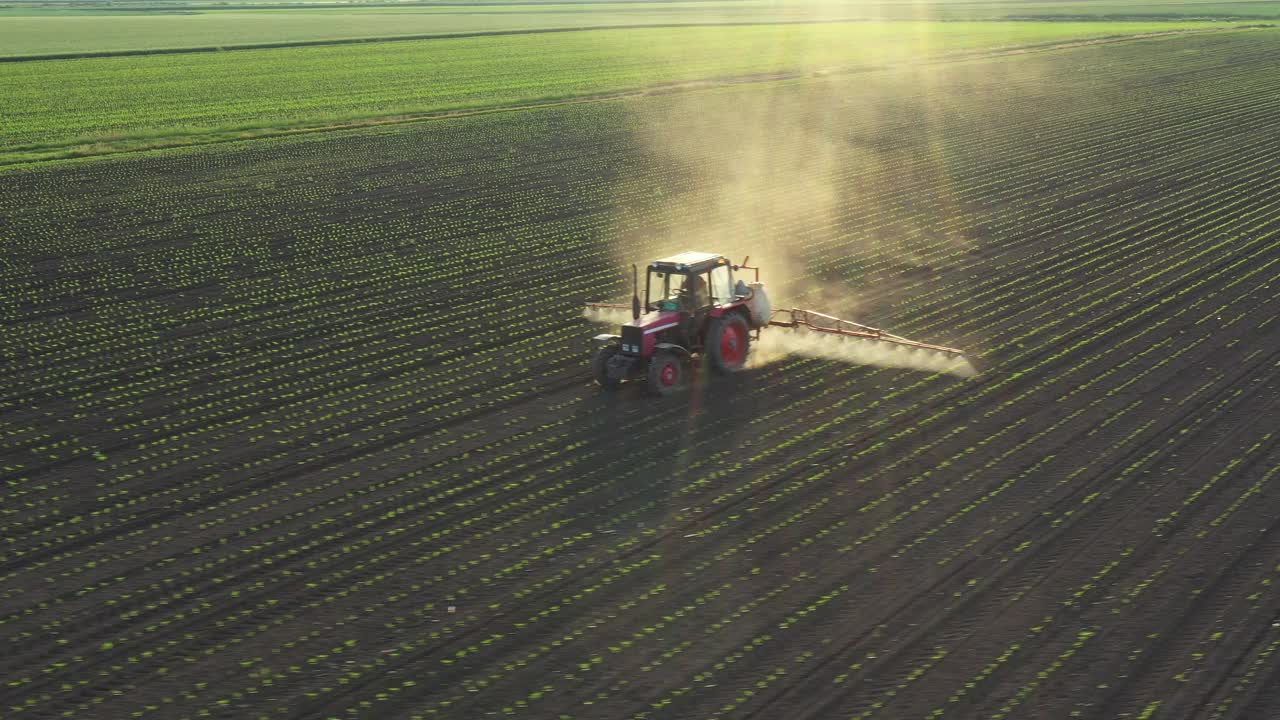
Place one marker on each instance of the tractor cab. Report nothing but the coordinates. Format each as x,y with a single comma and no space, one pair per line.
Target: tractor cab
690,282
691,307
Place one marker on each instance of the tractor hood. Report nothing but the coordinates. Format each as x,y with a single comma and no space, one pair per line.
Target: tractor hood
654,321
639,336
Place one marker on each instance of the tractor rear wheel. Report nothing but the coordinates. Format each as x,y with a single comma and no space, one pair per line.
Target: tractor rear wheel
667,372
600,366
728,342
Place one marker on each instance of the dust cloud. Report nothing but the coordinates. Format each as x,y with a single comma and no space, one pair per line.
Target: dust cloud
607,316
802,176
755,177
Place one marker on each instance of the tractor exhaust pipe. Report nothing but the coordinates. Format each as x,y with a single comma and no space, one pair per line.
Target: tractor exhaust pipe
635,293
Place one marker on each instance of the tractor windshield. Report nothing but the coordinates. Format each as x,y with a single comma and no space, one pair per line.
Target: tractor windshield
676,291
668,285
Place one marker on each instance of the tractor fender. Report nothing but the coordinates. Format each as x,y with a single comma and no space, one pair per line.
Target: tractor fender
677,349
605,339
738,308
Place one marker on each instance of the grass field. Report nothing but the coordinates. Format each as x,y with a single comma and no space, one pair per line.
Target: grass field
73,32
38,29
304,425
190,97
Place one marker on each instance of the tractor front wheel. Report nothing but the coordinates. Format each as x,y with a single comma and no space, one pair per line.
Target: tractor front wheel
600,366
667,372
728,343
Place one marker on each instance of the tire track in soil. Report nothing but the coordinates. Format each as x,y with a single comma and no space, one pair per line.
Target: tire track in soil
1049,643
1222,604
1265,699
1055,643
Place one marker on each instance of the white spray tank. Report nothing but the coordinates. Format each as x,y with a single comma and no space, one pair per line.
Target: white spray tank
757,301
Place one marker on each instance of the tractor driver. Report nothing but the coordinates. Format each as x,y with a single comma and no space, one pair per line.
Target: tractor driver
694,293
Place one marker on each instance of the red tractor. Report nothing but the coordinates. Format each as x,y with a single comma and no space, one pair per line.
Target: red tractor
694,307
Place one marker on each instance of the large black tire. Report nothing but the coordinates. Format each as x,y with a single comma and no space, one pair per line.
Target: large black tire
668,373
600,366
728,342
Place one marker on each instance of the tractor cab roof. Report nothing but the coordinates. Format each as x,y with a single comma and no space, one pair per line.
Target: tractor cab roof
689,263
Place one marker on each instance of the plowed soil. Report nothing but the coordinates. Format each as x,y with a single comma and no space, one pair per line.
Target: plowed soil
303,428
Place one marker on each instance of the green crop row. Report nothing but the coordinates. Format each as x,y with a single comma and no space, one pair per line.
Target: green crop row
186,97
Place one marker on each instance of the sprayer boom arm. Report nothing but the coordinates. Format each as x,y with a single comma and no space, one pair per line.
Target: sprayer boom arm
821,322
